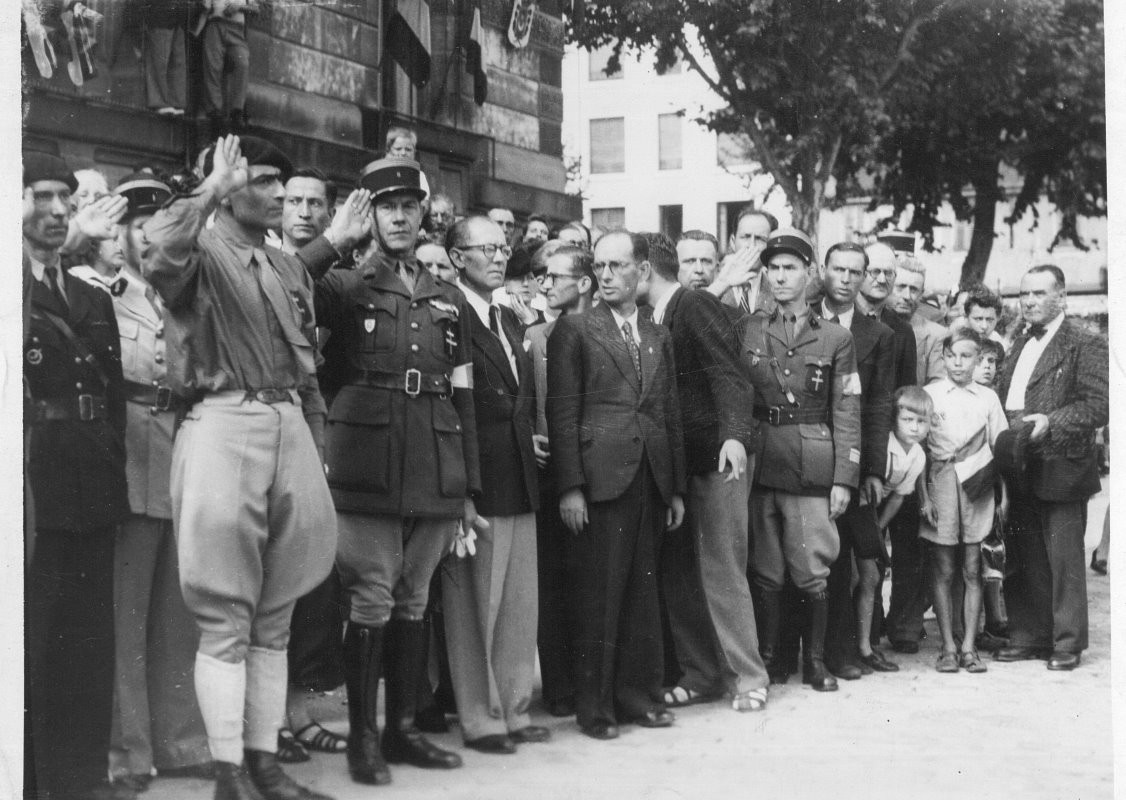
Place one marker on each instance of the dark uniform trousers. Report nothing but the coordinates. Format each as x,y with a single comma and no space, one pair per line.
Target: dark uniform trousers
555,554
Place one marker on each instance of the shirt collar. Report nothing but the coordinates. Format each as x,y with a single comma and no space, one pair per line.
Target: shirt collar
631,319
230,232
844,318
1049,329
476,302
38,268
663,303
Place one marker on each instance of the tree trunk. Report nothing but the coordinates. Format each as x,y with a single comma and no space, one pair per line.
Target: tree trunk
806,216
985,215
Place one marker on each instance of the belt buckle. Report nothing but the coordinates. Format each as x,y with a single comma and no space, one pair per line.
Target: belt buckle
774,415
412,383
271,396
163,398
86,407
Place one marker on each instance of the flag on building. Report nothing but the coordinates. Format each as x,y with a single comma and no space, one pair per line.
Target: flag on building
408,39
475,54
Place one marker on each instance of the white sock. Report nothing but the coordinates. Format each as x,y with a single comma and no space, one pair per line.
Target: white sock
266,686
221,689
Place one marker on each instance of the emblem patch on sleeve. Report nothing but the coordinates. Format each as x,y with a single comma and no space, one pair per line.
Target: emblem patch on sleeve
854,455
816,379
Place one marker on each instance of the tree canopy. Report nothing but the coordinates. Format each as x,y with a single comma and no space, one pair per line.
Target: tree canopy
904,101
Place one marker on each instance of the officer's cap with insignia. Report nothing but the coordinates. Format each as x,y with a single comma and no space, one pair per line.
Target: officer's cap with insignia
39,166
145,193
789,240
899,241
389,175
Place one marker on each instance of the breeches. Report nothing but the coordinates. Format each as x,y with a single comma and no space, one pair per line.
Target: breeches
793,532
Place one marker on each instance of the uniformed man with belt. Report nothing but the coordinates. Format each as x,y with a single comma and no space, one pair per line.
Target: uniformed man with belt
401,458
76,471
807,395
252,512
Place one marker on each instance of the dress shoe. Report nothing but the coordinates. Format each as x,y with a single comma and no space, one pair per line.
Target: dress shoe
660,718
530,734
494,744
1022,654
272,782
905,646
1098,564
232,782
564,707
204,771
878,662
988,641
108,791
431,720
601,730
846,671
1063,662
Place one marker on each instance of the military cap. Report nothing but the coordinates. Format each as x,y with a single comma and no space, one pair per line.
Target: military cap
899,241
39,166
387,175
257,152
145,193
789,240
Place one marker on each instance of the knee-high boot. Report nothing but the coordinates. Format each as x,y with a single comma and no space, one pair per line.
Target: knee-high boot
363,666
770,613
813,668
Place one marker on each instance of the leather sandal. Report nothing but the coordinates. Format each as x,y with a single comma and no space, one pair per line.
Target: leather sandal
947,662
679,696
971,662
750,700
319,738
290,751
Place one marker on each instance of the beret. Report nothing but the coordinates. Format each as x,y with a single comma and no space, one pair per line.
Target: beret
387,175
39,166
519,264
789,240
145,193
257,152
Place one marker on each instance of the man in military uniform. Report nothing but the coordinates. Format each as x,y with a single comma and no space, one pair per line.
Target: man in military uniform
401,456
156,717
807,395
76,472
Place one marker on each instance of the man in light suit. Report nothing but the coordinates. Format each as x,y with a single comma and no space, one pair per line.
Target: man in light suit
614,422
1054,380
490,597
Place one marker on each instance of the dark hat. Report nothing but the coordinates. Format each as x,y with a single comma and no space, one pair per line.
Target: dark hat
257,152
899,241
387,175
1009,454
39,166
145,193
789,240
519,263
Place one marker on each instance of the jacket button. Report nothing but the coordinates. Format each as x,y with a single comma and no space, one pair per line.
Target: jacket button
414,348
78,385
790,353
159,333
785,372
158,358
414,326
77,360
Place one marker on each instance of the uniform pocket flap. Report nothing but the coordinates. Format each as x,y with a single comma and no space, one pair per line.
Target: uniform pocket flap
815,430
361,405
380,302
446,419
128,328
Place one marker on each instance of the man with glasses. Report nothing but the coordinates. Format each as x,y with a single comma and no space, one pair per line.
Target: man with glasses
569,283
872,301
614,423
489,599
401,460
741,281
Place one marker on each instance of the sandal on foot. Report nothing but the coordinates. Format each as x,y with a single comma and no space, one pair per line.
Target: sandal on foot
679,696
750,700
971,662
947,662
317,737
290,751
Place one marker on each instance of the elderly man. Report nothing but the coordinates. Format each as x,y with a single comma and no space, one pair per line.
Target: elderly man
75,416
251,509
906,295
1054,382
401,459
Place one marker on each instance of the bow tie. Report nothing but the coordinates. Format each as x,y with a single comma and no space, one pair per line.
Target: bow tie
1037,330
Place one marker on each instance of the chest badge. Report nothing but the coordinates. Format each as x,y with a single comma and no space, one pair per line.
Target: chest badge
369,324
815,379
35,356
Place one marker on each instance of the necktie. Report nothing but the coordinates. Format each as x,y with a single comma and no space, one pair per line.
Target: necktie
150,295
406,275
52,274
835,318
789,322
1038,330
634,350
745,299
282,304
494,320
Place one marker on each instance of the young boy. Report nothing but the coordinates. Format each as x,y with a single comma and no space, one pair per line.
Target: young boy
913,409
967,419
996,624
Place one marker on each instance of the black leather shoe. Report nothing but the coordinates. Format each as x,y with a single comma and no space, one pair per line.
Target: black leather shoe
272,782
601,730
494,744
1098,564
564,707
905,646
818,676
879,662
431,720
1022,654
1063,662
661,718
530,734
204,771
232,782
846,672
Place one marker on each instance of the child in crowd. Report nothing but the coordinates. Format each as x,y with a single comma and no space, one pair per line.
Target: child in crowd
957,498
905,462
996,624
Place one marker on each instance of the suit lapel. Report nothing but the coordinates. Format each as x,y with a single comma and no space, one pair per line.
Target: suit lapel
862,336
610,338
1053,354
650,357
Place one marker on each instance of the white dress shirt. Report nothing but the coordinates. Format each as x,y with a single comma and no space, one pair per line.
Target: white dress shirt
481,307
844,319
663,304
1026,363
619,320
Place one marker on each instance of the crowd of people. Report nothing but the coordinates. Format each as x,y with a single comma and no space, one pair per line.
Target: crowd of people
277,443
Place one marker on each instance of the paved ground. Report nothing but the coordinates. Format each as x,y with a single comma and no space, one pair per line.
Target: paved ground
1017,731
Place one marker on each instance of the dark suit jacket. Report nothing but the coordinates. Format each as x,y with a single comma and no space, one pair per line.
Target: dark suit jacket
715,390
875,354
76,469
505,419
1069,384
906,354
600,421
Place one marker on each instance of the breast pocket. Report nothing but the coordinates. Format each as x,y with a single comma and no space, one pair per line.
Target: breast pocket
129,330
377,325
816,454
443,333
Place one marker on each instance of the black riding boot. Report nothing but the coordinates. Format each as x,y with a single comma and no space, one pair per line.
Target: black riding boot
770,612
363,666
403,743
272,782
814,671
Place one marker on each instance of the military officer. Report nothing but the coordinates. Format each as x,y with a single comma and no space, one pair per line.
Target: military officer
401,458
76,473
807,395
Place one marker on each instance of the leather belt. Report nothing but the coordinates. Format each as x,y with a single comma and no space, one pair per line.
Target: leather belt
158,398
412,382
270,396
84,408
781,415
